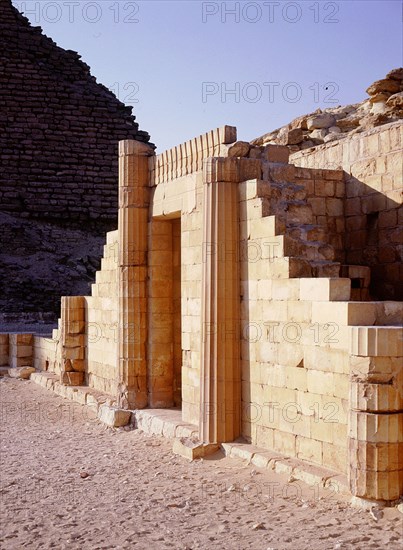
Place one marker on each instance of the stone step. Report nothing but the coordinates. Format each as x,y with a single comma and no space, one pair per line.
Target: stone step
317,251
112,236
109,263
268,226
110,251
279,173
293,212
291,267
359,273
360,278
325,289
325,269
308,250
299,267
309,232
298,212
284,192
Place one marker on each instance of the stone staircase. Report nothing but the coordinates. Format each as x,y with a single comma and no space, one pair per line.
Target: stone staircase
297,238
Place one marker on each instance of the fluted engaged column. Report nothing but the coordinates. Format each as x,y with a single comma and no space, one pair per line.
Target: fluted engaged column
220,399
375,417
133,218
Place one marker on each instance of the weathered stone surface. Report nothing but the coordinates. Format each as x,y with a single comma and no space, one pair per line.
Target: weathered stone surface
72,378
287,136
379,97
324,120
192,449
237,149
318,134
379,109
348,123
113,417
21,372
395,101
395,74
276,153
384,85
307,144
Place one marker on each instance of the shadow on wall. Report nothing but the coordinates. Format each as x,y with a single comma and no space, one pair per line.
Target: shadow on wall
374,237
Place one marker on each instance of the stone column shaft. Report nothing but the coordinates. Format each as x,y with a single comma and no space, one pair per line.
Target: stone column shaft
220,416
133,218
73,328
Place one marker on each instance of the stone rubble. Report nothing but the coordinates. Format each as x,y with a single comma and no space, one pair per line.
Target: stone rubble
384,105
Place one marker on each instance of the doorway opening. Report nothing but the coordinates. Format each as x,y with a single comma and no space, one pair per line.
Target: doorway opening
164,354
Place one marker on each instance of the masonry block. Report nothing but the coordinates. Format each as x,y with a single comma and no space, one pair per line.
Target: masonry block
326,290
113,417
4,349
285,443
344,313
376,428
21,372
276,153
309,449
376,485
72,378
376,341
377,457
192,449
369,397
377,370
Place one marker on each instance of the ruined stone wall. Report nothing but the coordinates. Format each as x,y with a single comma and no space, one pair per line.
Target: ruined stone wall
385,105
325,190
373,167
321,374
320,383
102,322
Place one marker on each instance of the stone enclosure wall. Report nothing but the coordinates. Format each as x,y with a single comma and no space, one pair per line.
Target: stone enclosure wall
225,292
373,167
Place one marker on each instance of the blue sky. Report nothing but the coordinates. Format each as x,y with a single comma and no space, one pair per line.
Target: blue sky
190,66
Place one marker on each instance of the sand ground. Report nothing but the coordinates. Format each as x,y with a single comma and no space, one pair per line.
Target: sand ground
67,482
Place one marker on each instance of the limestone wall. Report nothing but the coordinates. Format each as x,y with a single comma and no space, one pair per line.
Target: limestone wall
193,249
373,167
102,322
47,353
239,264
325,190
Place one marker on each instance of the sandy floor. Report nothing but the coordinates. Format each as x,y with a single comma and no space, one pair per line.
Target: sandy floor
137,494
